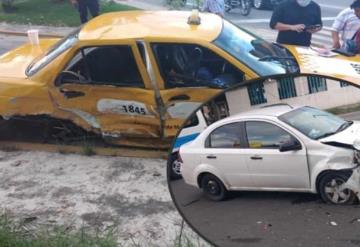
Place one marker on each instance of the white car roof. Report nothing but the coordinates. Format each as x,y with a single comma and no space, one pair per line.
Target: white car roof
270,111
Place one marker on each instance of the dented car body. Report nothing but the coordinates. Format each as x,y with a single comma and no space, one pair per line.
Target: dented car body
139,74
277,148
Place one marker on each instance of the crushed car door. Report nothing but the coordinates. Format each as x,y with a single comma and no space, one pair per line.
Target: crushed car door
187,76
107,89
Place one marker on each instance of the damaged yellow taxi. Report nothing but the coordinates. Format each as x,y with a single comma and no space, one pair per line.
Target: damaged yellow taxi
139,74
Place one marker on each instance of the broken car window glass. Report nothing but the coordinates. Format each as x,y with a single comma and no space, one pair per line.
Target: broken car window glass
108,65
189,65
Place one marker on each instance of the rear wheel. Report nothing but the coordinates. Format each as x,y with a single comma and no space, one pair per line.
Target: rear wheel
174,165
261,4
213,188
245,7
227,6
330,191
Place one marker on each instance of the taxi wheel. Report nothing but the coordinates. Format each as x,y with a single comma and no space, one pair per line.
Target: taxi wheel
213,188
330,192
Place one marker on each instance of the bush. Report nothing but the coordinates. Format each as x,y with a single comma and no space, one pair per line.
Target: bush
8,5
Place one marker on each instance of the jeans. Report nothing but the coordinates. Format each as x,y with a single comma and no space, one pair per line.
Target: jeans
84,5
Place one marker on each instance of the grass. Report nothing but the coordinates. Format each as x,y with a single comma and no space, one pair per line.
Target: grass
17,234
45,12
345,109
87,149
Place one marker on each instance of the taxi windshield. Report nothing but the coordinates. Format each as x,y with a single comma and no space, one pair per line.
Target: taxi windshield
263,57
57,49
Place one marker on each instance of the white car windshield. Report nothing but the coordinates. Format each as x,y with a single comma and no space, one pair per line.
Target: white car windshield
57,49
314,123
263,57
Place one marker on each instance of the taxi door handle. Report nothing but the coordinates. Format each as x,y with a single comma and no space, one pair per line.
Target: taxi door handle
180,97
71,94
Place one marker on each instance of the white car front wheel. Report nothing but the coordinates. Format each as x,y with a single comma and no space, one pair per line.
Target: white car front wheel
331,191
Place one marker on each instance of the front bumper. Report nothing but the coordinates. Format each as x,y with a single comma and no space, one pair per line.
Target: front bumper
353,183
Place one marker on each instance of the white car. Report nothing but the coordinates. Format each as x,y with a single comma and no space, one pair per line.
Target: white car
275,148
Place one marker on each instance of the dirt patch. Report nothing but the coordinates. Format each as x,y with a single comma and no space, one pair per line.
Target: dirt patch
75,191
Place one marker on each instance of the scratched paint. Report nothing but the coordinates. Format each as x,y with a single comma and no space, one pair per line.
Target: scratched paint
87,117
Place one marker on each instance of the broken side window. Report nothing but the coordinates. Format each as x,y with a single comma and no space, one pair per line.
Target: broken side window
190,65
107,65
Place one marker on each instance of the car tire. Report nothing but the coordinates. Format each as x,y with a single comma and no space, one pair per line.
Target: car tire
262,4
328,185
174,167
213,188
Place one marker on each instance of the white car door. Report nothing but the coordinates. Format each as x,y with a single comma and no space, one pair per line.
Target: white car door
269,167
224,152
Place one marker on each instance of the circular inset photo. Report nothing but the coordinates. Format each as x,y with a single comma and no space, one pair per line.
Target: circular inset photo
272,162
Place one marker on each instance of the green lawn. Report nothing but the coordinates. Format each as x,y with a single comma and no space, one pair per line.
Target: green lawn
44,12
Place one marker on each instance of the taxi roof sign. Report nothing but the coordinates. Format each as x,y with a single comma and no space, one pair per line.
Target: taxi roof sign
194,18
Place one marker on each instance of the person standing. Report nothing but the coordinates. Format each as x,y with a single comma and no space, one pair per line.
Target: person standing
347,23
296,21
214,6
84,5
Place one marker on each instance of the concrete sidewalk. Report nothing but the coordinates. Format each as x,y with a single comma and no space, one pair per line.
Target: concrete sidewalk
146,5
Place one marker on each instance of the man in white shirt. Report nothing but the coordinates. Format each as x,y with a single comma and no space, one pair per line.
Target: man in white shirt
347,23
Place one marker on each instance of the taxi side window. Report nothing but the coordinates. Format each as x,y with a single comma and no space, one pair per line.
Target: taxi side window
106,65
189,65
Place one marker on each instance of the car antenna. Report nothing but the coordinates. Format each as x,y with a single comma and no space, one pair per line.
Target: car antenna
278,104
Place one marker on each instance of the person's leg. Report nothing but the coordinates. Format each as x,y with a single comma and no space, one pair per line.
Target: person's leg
94,7
83,10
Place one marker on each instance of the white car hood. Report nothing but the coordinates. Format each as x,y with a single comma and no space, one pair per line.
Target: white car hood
347,136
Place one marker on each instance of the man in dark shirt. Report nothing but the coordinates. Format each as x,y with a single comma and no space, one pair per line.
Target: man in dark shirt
295,20
83,6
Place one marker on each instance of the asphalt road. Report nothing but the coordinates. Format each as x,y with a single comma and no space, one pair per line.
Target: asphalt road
9,42
268,219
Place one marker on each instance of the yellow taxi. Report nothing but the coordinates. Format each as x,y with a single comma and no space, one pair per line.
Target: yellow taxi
139,74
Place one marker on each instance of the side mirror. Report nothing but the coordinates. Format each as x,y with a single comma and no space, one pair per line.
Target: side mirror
290,145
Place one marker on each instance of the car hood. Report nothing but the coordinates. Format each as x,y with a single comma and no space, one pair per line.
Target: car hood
347,136
338,66
13,64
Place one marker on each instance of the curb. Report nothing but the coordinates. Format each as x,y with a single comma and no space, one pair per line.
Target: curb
14,33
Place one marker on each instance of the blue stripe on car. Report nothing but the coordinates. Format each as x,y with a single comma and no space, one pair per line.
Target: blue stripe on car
184,139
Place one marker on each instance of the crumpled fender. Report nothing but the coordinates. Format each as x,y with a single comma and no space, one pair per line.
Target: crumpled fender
340,159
